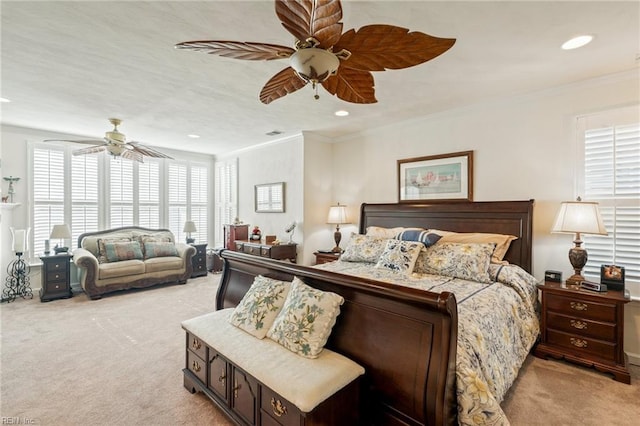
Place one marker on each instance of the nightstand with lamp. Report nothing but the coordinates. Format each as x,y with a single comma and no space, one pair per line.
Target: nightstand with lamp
337,216
199,260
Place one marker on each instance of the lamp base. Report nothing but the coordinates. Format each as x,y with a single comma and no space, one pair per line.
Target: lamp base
337,236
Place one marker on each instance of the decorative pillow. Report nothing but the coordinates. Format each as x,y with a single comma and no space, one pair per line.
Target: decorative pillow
160,249
420,235
102,252
259,307
118,251
400,255
304,324
363,248
502,241
387,233
458,260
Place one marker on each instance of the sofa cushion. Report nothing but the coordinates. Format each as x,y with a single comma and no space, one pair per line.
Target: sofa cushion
102,249
121,269
118,251
159,249
168,263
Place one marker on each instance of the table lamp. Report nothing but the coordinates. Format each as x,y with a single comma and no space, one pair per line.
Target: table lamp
60,232
337,216
579,217
189,227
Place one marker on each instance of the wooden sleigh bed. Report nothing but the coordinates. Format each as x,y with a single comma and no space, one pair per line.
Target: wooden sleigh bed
405,338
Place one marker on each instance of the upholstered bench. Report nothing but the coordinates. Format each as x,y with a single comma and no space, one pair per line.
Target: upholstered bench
258,381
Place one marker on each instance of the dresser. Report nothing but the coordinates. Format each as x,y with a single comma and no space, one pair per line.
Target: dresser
279,252
199,261
584,327
56,277
233,233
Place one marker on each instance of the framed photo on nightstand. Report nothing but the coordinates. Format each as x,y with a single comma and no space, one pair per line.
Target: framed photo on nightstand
612,276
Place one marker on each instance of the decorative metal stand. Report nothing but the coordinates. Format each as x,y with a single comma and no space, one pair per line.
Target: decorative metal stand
17,282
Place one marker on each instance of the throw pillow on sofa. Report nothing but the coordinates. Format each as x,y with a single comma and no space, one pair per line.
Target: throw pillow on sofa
159,249
118,251
102,251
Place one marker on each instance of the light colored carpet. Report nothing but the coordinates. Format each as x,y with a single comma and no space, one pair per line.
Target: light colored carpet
119,360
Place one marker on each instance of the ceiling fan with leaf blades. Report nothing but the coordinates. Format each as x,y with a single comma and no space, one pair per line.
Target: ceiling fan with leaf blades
115,143
341,62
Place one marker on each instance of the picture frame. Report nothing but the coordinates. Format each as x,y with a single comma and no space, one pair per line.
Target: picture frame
445,177
612,276
269,198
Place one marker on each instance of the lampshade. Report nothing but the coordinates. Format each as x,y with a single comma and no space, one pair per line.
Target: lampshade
579,217
189,226
337,215
60,232
314,65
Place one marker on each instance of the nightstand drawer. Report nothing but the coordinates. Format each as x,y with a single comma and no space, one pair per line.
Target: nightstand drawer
581,344
582,327
251,249
58,266
581,308
197,366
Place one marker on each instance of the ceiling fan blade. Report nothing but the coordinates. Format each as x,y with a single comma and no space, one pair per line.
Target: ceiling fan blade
145,150
281,84
82,141
319,19
132,155
380,47
351,85
89,150
238,49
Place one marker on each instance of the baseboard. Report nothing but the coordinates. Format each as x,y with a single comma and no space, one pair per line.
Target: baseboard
634,358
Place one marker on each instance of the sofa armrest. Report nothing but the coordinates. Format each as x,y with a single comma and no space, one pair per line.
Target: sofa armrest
186,251
88,266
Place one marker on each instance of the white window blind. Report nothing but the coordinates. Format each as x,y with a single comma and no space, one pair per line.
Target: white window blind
226,197
121,190
149,194
48,194
612,178
84,195
199,197
177,194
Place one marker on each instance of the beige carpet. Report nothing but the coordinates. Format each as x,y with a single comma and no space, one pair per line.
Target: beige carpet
118,361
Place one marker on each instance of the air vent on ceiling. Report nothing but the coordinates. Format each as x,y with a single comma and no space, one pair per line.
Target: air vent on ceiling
274,133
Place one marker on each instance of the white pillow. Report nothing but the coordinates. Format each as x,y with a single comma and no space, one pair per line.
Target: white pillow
260,305
387,233
400,256
304,324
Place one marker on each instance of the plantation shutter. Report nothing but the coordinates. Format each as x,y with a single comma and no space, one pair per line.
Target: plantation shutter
149,194
612,178
121,189
84,195
177,195
48,194
226,197
199,196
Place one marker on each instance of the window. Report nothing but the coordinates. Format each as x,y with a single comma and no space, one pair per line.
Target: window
226,197
93,192
611,176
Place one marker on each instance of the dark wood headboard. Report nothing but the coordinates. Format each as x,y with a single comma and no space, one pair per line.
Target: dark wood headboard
495,217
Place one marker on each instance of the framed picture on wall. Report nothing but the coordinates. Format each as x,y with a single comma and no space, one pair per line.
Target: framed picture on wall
269,198
445,177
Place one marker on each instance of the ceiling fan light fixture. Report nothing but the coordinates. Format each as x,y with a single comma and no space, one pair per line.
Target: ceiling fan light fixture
314,65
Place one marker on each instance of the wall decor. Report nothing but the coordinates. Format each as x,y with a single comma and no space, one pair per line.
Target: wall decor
612,276
269,198
445,177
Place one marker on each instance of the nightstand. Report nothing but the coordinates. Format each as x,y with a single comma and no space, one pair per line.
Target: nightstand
584,327
56,277
199,261
326,257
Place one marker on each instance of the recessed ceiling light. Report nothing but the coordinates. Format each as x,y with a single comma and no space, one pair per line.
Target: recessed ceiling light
576,42
194,136
4,100
341,113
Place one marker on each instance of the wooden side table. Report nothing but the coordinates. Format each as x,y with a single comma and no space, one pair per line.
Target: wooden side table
199,261
326,257
56,277
584,327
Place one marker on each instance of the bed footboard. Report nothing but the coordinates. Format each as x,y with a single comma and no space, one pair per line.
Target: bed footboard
404,338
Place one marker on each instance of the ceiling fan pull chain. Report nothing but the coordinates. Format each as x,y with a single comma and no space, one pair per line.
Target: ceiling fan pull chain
315,87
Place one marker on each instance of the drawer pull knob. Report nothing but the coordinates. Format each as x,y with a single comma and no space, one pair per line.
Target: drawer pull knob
222,378
578,306
580,325
195,366
578,343
236,388
278,408
196,344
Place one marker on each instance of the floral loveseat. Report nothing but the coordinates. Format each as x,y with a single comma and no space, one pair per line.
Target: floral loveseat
130,257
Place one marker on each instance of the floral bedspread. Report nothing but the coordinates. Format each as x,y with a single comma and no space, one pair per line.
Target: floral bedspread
497,326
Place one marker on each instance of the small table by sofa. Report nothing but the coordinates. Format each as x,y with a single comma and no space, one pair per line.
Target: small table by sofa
199,261
56,277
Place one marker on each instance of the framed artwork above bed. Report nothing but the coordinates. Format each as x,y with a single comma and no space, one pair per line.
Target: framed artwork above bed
444,177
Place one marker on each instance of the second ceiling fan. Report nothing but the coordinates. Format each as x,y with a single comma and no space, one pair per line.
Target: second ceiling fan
340,62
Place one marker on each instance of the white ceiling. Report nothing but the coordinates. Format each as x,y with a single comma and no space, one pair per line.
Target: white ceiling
68,66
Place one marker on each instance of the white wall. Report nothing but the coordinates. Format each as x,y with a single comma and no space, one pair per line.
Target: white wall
524,147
